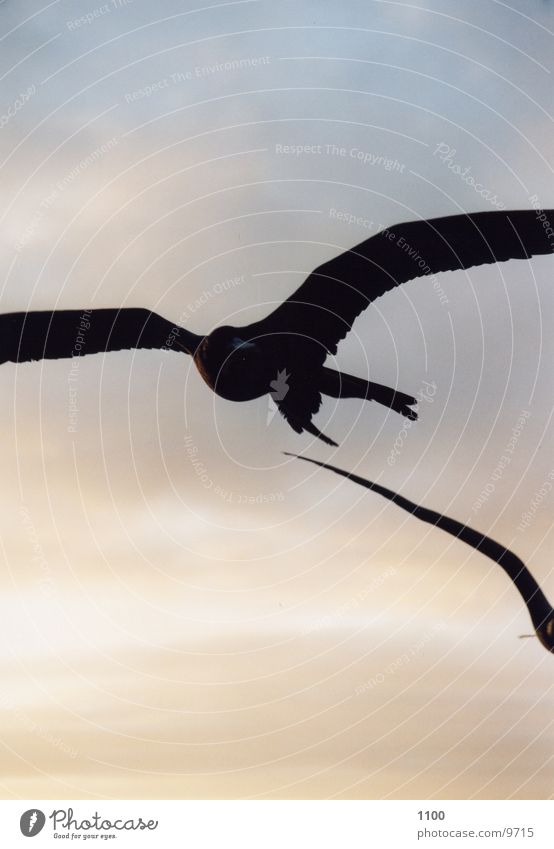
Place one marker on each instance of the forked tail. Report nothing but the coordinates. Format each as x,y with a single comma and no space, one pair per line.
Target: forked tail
339,385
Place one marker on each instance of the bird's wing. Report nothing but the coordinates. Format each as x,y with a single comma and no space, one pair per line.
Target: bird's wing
325,306
67,333
540,609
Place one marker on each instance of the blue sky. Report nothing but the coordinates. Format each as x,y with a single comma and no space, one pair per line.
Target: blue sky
213,632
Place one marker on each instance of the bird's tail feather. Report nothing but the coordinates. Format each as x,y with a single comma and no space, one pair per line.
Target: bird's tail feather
339,385
311,428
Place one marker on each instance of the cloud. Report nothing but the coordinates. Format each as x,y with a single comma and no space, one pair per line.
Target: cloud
178,611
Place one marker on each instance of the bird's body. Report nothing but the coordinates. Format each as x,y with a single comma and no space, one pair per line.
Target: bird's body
235,368
241,366
288,348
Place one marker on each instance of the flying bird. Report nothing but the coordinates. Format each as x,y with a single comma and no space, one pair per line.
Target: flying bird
243,363
540,610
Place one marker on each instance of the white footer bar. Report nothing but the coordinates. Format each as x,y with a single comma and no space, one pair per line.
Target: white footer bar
277,824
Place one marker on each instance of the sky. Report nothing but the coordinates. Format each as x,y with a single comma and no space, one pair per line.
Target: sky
186,612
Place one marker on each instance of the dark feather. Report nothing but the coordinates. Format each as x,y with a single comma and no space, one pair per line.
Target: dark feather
540,609
324,307
301,402
66,333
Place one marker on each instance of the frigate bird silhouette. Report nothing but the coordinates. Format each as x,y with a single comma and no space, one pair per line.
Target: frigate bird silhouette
242,363
540,609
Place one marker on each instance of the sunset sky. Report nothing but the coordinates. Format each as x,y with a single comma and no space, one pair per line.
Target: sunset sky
186,612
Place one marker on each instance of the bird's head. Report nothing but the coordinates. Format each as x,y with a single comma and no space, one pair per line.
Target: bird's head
545,632
544,629
231,365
